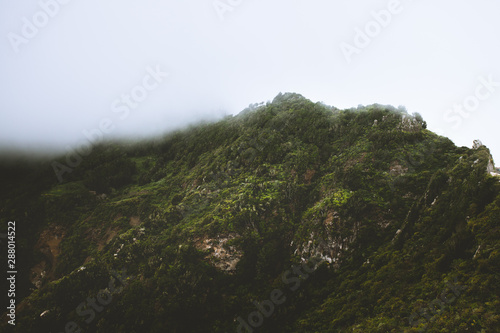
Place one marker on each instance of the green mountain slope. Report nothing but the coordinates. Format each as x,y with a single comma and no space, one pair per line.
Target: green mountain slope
290,217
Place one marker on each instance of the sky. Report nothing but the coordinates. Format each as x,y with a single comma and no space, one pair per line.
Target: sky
74,71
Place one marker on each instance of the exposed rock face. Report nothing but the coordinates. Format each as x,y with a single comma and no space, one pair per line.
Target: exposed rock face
332,245
48,245
108,237
491,167
135,221
397,169
330,249
409,124
476,144
223,256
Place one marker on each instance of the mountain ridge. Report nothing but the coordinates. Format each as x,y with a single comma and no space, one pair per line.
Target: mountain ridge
209,220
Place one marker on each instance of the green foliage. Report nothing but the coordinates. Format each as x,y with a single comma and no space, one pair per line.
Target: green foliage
396,211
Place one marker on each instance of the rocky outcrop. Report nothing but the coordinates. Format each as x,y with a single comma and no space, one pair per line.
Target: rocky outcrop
330,249
409,124
495,172
223,256
330,244
396,169
48,244
476,144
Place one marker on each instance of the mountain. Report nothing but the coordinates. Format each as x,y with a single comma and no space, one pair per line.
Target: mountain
292,216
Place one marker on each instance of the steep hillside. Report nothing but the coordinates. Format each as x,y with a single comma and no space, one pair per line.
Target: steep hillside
290,217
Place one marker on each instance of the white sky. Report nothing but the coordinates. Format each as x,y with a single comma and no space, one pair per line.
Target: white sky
66,76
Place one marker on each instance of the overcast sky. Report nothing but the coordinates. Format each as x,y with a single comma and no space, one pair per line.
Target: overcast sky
71,68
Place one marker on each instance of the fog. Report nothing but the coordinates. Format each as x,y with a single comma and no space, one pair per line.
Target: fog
73,71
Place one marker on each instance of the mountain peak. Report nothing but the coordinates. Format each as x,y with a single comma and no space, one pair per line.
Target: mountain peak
331,220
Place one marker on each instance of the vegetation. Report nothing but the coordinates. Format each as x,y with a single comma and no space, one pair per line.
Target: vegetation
212,220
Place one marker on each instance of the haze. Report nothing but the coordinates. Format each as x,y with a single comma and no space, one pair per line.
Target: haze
67,67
